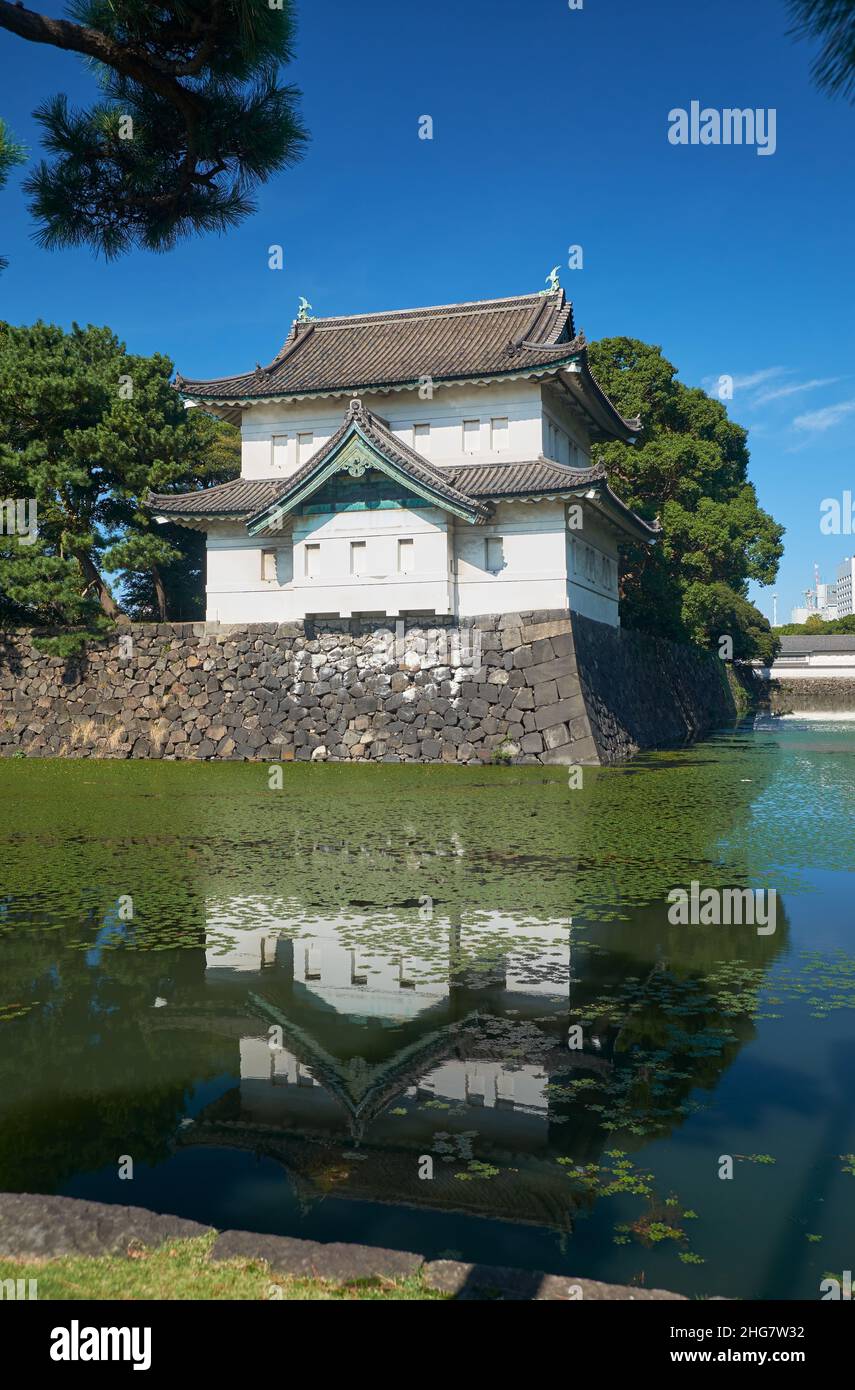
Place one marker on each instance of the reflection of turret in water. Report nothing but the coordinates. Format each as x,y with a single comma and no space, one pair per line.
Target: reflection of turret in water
466,1036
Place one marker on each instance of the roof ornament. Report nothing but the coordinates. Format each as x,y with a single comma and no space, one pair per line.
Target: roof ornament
552,281
356,406
303,315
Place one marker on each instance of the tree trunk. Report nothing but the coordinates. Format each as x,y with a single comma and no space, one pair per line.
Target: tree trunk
160,591
93,578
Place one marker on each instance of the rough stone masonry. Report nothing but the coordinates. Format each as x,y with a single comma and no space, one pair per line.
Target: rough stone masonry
541,687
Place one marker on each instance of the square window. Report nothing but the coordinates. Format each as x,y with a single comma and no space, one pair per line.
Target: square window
499,434
471,436
494,554
268,566
421,438
406,556
313,561
280,453
358,552
305,444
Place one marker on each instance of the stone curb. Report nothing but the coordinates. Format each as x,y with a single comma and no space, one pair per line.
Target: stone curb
39,1227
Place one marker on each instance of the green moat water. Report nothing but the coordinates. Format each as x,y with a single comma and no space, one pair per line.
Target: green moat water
416,944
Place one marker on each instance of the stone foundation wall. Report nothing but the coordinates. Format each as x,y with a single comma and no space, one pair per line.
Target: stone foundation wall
807,695
544,687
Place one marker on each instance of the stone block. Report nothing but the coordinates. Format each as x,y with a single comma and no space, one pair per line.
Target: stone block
558,713
556,736
556,669
545,694
531,743
538,631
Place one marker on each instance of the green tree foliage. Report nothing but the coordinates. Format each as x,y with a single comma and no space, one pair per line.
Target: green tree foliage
712,610
816,625
11,153
832,22
193,119
689,468
86,431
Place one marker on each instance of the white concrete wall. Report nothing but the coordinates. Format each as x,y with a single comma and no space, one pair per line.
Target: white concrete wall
237,593
813,666
593,569
456,570
564,437
533,573
518,401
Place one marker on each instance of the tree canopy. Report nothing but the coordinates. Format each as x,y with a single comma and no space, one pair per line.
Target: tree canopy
11,153
86,431
193,118
816,625
689,467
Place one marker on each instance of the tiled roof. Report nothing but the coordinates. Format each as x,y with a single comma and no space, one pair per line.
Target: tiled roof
444,342
821,642
522,479
239,498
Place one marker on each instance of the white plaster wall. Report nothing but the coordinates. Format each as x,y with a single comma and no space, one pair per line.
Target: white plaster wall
544,566
517,401
236,592
381,588
593,569
819,666
568,440
534,574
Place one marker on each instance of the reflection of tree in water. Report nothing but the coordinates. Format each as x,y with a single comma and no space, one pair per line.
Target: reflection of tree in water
671,1006
81,1079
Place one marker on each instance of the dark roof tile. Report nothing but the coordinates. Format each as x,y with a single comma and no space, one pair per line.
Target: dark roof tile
450,341
521,479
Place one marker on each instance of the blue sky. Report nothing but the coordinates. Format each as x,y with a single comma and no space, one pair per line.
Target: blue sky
550,129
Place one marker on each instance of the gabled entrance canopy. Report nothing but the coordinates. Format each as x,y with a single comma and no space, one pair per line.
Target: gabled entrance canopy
361,444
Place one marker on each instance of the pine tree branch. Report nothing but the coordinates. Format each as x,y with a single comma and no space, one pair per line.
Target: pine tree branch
122,58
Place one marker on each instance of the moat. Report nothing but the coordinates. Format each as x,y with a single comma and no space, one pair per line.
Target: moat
279,1003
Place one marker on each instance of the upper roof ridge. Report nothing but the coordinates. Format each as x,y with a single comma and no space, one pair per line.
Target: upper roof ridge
425,310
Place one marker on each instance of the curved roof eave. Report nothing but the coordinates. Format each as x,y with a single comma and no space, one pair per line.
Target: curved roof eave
366,388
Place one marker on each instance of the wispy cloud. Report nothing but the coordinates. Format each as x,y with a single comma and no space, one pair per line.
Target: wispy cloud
817,421
744,383
793,390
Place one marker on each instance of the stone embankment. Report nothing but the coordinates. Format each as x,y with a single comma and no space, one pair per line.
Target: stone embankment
543,687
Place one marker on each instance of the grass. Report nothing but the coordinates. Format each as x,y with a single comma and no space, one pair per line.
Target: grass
181,1269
